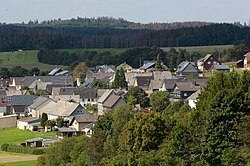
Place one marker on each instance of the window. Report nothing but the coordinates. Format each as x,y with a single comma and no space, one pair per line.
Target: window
208,62
185,94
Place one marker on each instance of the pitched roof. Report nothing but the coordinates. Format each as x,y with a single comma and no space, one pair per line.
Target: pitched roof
55,70
62,108
155,84
170,83
148,65
18,80
186,86
39,101
143,81
111,100
161,75
65,80
2,92
28,119
182,66
24,100
105,95
195,95
86,93
86,118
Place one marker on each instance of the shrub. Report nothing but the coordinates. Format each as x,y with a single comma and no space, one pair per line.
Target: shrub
21,149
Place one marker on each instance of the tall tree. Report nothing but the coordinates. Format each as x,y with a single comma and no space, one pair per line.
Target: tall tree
158,64
80,71
138,95
120,79
159,100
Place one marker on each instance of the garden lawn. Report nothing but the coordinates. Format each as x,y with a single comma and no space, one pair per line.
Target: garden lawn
17,136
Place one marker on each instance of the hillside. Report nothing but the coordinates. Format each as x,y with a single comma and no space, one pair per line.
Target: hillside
110,22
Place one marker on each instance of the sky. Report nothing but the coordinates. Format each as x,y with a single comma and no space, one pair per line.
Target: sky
143,11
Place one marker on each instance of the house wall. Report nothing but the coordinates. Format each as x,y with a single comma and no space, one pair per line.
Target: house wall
192,103
79,110
8,121
209,63
100,108
52,117
22,125
246,64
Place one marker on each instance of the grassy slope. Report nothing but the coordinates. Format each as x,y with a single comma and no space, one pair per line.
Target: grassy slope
203,50
16,136
22,163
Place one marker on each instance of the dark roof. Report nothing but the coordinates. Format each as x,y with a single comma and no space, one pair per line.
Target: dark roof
86,118
221,67
186,86
2,92
144,81
67,90
170,83
86,93
183,65
24,100
65,80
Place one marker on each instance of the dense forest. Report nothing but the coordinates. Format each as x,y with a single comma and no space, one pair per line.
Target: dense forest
216,133
14,37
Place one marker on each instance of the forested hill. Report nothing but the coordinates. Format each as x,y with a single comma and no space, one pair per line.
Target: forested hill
110,22
14,37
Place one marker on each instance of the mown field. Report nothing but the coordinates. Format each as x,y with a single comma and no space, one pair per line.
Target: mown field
203,50
28,59
16,136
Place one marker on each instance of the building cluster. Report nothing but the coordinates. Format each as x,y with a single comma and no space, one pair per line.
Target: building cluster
71,103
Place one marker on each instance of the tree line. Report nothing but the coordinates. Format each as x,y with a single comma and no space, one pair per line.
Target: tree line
13,37
216,132
133,57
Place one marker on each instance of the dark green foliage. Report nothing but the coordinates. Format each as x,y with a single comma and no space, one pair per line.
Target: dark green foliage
40,92
100,84
44,119
18,71
224,102
21,149
120,79
158,64
60,122
15,37
139,95
159,100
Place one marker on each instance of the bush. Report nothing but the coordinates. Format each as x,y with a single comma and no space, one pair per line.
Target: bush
21,149
4,147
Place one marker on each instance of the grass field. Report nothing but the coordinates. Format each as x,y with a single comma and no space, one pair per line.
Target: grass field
16,136
113,51
203,50
9,157
22,163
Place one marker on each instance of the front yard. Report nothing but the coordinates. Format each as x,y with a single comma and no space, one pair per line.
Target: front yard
17,136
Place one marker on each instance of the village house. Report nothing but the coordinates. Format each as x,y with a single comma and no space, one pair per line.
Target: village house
186,68
126,67
109,101
28,123
20,104
183,90
205,64
246,62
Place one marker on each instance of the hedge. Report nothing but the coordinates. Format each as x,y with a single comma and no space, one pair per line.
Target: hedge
21,149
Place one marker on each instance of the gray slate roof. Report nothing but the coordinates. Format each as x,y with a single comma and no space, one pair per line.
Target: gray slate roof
23,100
183,65
64,80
